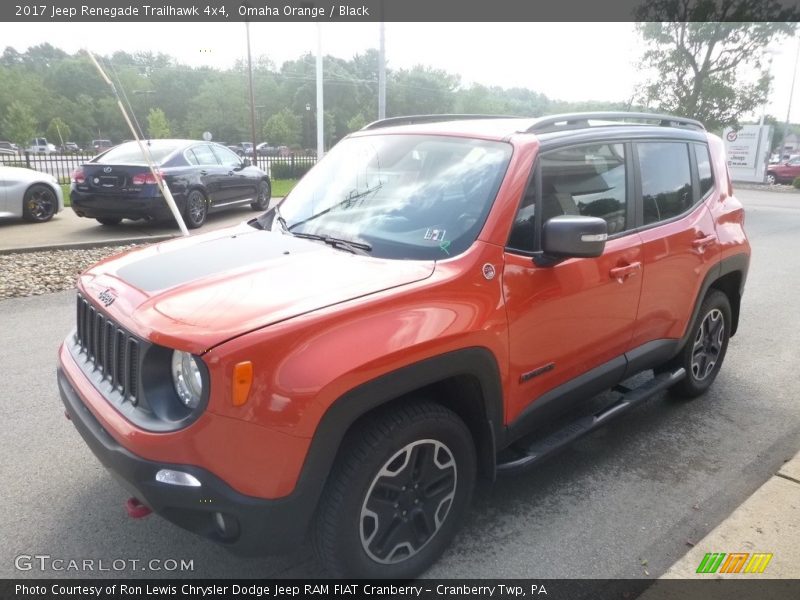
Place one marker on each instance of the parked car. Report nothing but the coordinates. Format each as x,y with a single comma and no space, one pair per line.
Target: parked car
242,148
264,149
41,146
70,148
101,145
29,194
203,177
8,148
438,299
784,172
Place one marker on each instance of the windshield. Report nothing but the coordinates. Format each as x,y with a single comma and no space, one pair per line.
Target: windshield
406,196
130,153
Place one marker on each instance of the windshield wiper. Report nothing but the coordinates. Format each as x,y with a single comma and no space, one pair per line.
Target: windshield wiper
348,201
349,245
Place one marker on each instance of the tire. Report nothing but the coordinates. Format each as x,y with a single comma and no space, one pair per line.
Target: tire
39,203
109,221
771,180
263,197
705,350
196,209
376,459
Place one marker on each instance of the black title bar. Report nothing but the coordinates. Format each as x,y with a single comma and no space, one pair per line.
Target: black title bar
379,10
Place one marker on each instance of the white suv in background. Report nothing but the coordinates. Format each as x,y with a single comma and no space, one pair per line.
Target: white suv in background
40,146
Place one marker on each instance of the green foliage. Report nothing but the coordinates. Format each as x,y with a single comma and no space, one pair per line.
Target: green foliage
157,125
58,131
289,169
283,128
356,123
19,124
796,183
701,55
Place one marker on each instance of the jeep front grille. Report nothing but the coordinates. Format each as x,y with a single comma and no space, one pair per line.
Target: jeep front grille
109,348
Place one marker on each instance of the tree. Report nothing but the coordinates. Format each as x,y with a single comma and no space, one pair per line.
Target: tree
157,125
700,52
19,124
58,131
283,128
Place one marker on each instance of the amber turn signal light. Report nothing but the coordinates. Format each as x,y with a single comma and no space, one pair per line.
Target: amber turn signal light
242,380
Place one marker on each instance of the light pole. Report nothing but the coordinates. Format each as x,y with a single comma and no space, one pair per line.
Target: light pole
320,130
791,96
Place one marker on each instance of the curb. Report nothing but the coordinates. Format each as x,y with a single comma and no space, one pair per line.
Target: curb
768,521
89,245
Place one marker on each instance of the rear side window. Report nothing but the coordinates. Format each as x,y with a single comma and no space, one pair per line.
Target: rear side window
704,169
204,155
666,180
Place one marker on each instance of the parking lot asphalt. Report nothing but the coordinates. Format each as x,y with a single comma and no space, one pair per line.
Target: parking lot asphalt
68,230
624,502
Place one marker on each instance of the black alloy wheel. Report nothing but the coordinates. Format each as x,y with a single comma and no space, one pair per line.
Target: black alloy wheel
263,196
705,349
39,203
399,488
196,209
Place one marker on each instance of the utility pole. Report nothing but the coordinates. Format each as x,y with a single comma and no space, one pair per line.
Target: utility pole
252,96
382,71
320,109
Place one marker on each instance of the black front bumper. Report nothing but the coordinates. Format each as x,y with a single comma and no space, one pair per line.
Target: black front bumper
261,526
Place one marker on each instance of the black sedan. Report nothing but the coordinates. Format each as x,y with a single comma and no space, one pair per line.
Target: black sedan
202,176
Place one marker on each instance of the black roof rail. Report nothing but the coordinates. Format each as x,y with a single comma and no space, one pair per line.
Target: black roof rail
415,119
581,120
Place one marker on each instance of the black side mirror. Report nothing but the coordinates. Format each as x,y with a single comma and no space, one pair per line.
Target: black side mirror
246,162
573,236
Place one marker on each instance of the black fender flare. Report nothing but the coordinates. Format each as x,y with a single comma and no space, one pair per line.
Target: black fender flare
478,362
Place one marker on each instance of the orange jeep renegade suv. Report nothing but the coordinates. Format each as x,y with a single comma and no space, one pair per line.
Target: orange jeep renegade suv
419,311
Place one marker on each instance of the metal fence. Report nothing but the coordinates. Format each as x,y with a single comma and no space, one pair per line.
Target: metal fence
293,166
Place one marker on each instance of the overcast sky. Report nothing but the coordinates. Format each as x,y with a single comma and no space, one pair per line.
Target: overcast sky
567,61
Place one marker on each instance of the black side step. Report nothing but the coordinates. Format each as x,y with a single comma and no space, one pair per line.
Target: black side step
544,447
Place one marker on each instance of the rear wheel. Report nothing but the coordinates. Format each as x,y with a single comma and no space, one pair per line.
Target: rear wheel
109,221
396,494
704,352
771,179
196,209
263,197
39,203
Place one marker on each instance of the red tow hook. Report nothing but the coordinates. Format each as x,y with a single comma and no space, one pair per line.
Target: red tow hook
136,510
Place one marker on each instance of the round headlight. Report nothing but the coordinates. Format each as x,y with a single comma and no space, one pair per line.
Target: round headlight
187,379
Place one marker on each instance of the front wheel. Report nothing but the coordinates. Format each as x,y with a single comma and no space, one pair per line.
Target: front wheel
704,352
39,204
397,493
263,197
771,179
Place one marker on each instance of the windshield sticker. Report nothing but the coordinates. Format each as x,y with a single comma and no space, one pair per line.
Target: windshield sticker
444,246
435,235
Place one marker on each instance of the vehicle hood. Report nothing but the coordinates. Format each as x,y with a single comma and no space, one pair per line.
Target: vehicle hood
194,293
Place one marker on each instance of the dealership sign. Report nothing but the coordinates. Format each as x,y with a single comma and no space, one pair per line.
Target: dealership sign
747,150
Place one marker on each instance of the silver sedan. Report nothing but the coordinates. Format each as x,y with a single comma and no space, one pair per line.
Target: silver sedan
32,195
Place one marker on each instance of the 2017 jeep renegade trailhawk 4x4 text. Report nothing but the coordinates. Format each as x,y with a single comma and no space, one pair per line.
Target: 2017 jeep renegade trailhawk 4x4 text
415,314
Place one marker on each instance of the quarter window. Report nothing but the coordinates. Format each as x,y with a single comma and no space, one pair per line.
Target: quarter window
204,155
704,169
666,180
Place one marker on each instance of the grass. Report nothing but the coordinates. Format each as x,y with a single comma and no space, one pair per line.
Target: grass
280,187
